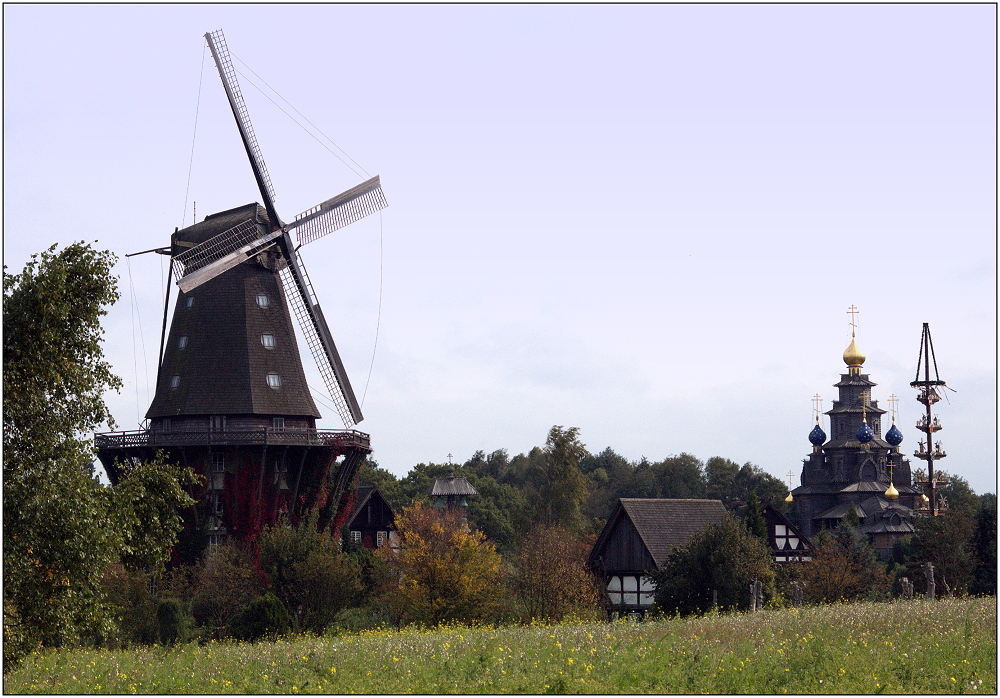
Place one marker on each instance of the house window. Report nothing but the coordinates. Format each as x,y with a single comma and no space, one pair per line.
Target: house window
273,380
380,537
217,423
165,424
217,505
615,590
279,423
262,300
218,462
267,340
182,342
356,536
189,302
175,380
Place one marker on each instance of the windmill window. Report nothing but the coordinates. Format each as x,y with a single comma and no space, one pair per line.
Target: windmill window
218,462
279,423
175,380
273,380
262,300
267,340
217,423
182,342
189,302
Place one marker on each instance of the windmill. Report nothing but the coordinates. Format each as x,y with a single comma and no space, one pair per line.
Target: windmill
231,396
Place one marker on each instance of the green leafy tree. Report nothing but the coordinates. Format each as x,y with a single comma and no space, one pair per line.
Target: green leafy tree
562,487
679,477
984,548
755,517
720,474
308,572
62,528
725,558
946,542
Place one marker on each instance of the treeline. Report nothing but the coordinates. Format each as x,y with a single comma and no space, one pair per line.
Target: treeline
563,483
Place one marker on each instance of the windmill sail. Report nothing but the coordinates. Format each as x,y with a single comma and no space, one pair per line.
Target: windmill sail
333,214
224,251
340,211
300,295
220,52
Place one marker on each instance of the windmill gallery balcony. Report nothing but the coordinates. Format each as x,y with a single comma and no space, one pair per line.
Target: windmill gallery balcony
261,436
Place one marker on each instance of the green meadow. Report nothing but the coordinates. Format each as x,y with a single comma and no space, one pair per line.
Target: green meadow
947,646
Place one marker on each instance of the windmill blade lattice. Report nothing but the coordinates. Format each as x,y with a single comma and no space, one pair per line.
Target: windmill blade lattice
307,312
217,44
224,251
340,211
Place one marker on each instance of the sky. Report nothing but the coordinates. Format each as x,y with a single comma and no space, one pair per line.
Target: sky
645,221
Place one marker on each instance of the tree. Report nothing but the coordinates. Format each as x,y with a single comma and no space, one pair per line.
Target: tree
755,518
552,578
844,566
225,581
62,528
679,477
720,473
445,572
725,558
945,541
308,572
562,487
984,547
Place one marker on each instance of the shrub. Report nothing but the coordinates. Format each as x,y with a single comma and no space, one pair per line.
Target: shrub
265,616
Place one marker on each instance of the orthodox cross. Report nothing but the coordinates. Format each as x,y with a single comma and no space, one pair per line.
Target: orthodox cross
852,311
790,476
817,406
892,406
449,459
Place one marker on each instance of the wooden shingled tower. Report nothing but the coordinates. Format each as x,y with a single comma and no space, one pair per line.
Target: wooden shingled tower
231,395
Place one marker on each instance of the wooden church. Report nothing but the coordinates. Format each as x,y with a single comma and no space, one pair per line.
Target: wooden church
858,468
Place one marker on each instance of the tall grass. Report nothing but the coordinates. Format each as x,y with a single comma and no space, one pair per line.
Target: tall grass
948,646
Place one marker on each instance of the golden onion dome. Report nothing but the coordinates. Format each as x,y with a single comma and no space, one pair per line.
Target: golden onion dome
853,356
892,492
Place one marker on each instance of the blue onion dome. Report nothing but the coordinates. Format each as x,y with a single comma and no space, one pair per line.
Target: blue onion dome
865,433
817,436
894,436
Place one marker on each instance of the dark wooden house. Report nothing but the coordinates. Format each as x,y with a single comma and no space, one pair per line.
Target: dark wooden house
371,521
638,537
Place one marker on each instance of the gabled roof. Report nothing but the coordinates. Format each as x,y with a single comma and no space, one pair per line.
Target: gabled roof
774,516
663,524
365,494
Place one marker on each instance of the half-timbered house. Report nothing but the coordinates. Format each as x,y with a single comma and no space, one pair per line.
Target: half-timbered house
371,522
638,537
